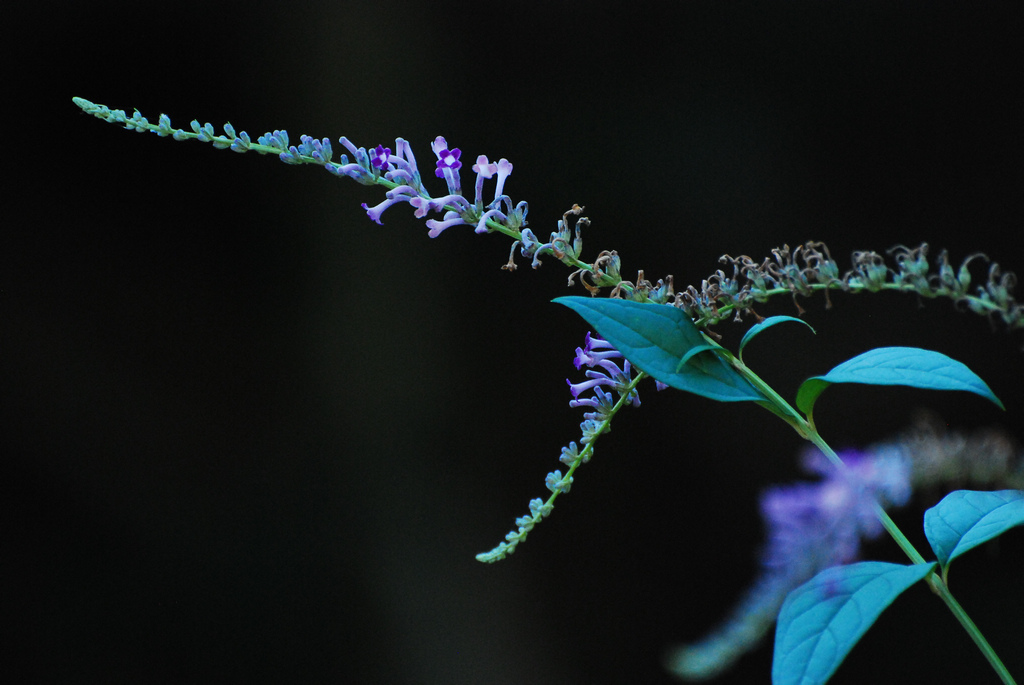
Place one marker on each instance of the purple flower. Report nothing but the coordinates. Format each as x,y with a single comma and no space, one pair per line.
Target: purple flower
484,169
601,402
403,164
611,374
368,168
596,378
357,153
359,170
586,355
437,204
375,211
504,171
399,194
437,227
816,525
379,158
448,164
811,526
448,159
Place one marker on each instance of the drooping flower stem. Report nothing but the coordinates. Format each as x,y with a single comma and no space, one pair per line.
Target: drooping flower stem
800,271
540,509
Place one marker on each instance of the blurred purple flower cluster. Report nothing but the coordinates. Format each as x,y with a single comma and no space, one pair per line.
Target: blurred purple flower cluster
811,526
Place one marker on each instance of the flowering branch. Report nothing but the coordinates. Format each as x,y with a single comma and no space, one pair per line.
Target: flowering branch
666,344
810,268
595,353
398,173
799,272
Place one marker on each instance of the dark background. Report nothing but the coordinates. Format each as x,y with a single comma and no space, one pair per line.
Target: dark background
249,435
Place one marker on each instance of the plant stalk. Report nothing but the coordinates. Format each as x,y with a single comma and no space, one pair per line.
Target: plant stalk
806,430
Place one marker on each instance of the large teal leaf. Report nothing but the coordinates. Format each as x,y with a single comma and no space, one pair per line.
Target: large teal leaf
655,338
767,323
823,619
966,518
910,366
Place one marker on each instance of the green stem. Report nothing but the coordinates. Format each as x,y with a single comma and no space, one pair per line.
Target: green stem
887,523
805,428
978,304
625,397
502,550
942,590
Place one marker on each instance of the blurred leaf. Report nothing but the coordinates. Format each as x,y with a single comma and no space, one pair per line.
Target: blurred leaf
823,619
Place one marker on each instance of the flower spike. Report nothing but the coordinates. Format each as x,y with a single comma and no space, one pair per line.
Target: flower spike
595,423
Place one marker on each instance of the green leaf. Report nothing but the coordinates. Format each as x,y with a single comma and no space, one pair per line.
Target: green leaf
908,366
808,392
691,353
823,619
655,338
966,518
770,321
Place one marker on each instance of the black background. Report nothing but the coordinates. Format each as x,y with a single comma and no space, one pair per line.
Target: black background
250,435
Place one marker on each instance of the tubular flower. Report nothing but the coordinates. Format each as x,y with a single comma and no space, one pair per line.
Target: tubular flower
610,374
448,164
